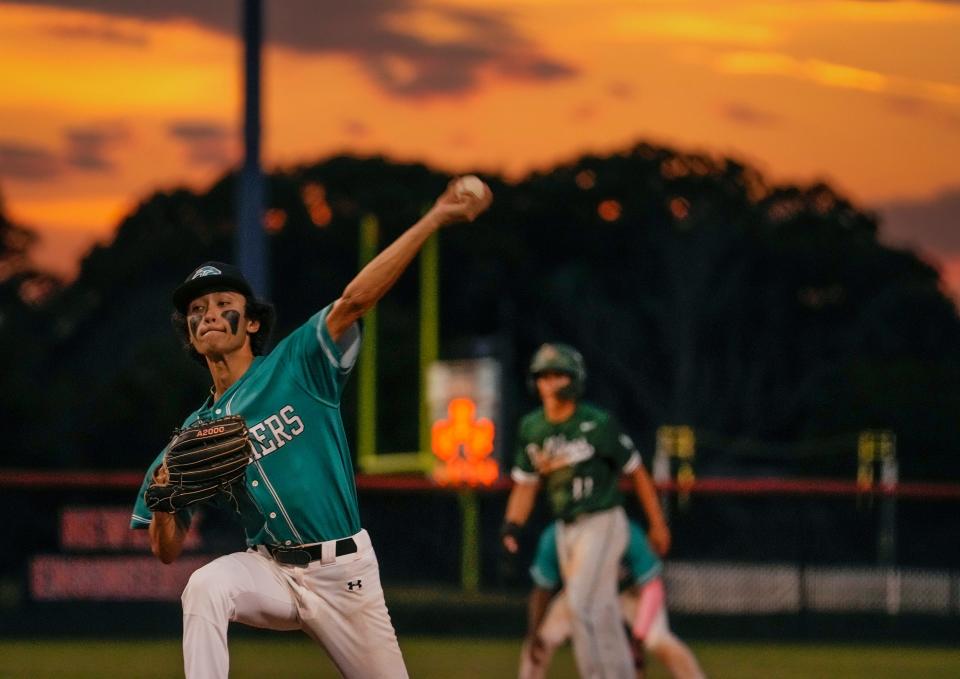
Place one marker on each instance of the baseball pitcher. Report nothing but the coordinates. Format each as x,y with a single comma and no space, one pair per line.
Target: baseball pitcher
309,564
580,451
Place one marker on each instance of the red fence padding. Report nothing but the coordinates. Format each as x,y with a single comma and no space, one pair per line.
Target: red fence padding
38,479
35,479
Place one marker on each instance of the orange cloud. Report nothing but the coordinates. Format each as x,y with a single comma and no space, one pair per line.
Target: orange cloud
801,90
834,75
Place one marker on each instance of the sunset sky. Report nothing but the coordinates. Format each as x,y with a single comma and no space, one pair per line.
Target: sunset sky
105,101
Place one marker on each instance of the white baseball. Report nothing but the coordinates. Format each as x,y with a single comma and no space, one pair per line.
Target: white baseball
471,184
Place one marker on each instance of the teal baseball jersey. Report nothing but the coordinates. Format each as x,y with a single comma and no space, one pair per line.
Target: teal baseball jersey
300,485
581,459
639,564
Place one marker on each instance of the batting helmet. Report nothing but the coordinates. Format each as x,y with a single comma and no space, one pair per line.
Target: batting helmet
561,358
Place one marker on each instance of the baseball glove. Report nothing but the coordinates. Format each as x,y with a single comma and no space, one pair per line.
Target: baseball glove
202,460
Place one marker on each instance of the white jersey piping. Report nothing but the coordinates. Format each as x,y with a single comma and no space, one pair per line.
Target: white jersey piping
270,488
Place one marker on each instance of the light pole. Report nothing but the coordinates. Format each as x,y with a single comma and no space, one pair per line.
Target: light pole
251,242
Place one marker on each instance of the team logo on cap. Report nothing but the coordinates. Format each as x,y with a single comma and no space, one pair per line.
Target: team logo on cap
205,271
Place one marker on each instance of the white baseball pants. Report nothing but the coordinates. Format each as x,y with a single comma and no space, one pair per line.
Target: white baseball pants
338,603
589,550
556,627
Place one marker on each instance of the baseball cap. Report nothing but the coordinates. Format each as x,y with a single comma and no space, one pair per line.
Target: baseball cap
210,277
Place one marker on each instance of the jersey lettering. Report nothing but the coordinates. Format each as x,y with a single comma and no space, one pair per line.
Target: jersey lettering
263,449
290,417
582,487
275,431
558,452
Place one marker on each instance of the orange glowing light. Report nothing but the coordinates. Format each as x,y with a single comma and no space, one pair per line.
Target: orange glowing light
274,220
679,208
609,210
315,200
674,168
586,179
464,444
35,291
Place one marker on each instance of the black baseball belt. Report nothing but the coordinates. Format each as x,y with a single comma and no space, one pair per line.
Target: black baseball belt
301,555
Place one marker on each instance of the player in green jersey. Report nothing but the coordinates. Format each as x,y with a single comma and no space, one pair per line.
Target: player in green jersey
309,564
642,608
580,452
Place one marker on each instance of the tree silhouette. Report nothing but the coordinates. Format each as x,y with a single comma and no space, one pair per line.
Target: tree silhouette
22,289
768,317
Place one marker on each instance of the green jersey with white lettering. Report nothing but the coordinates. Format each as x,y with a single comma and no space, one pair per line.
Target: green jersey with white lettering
581,459
300,486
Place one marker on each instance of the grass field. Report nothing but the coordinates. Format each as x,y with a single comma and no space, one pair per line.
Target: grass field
462,658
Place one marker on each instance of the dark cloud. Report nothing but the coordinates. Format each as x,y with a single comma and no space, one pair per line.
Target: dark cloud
196,131
88,147
621,90
913,107
747,115
532,67
355,128
908,106
206,143
26,162
932,225
369,31
214,14
585,113
462,139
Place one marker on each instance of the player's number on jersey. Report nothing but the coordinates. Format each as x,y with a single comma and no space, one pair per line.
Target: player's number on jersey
582,487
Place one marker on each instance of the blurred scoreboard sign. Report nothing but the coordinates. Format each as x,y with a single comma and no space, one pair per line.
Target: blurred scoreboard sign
107,529
464,402
109,578
104,560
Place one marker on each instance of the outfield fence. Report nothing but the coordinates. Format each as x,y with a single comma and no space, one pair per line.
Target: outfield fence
742,549
740,588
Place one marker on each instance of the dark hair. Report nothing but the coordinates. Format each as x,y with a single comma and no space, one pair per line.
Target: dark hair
254,310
